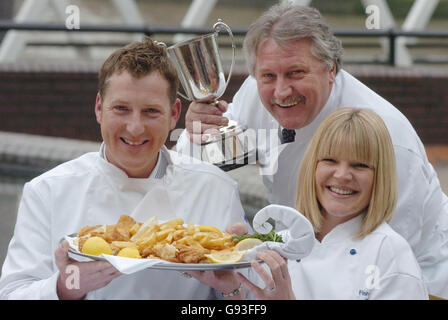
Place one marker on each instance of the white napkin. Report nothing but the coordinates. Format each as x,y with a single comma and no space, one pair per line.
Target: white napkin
122,264
128,266
296,231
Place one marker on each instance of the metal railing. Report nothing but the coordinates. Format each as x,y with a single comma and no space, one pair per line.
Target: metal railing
150,30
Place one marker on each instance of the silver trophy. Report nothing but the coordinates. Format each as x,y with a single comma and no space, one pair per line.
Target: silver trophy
200,72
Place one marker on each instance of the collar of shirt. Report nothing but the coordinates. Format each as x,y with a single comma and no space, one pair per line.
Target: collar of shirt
344,231
120,178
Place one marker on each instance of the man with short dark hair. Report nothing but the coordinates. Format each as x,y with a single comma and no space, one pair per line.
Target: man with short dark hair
136,107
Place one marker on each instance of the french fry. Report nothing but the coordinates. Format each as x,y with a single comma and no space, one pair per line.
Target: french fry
123,244
169,238
178,234
199,236
190,228
216,244
196,244
148,224
145,233
135,228
171,223
161,235
148,241
185,240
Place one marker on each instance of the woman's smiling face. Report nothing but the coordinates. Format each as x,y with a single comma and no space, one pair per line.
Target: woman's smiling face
343,187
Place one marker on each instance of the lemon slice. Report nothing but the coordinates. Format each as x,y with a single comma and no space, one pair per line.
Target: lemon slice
207,228
247,244
129,252
96,246
225,256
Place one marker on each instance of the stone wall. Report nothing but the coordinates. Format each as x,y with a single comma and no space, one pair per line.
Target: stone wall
59,100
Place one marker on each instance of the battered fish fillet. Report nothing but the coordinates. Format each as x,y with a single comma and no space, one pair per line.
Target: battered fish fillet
120,231
81,242
191,254
88,230
112,234
124,226
161,251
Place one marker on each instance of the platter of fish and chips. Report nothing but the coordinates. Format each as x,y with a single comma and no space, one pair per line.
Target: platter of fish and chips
172,245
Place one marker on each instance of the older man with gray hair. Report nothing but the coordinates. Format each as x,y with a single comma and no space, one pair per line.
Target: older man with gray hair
296,81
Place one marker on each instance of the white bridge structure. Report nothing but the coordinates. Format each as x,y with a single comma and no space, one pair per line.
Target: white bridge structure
15,41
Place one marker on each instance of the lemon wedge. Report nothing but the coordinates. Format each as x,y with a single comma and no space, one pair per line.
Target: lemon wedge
247,244
225,256
129,252
96,246
207,228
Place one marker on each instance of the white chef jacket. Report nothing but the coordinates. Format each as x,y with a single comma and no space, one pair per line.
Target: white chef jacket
89,191
421,216
380,265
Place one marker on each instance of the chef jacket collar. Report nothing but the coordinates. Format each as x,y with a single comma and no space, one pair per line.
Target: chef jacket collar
121,179
344,231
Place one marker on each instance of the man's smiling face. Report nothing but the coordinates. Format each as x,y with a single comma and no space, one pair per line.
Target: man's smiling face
292,83
136,117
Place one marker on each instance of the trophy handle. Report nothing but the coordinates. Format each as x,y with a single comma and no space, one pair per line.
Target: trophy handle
219,25
160,43
183,96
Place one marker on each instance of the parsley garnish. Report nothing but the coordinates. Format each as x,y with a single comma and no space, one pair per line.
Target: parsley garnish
271,236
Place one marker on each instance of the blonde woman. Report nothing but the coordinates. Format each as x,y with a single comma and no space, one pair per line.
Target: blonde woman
347,188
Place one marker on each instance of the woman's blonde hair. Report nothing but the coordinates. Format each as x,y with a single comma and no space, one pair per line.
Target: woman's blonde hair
363,134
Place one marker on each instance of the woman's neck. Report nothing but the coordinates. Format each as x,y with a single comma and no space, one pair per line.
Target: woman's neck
330,222
324,230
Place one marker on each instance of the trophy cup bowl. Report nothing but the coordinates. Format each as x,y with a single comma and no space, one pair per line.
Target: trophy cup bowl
201,75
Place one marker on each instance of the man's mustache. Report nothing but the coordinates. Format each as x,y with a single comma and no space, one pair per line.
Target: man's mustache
289,101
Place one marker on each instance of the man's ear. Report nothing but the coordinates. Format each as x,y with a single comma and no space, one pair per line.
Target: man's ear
333,73
176,110
98,108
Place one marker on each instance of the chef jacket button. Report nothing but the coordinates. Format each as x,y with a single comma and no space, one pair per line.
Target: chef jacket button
298,260
352,252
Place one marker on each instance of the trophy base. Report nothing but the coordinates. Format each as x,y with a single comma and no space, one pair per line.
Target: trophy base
230,147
